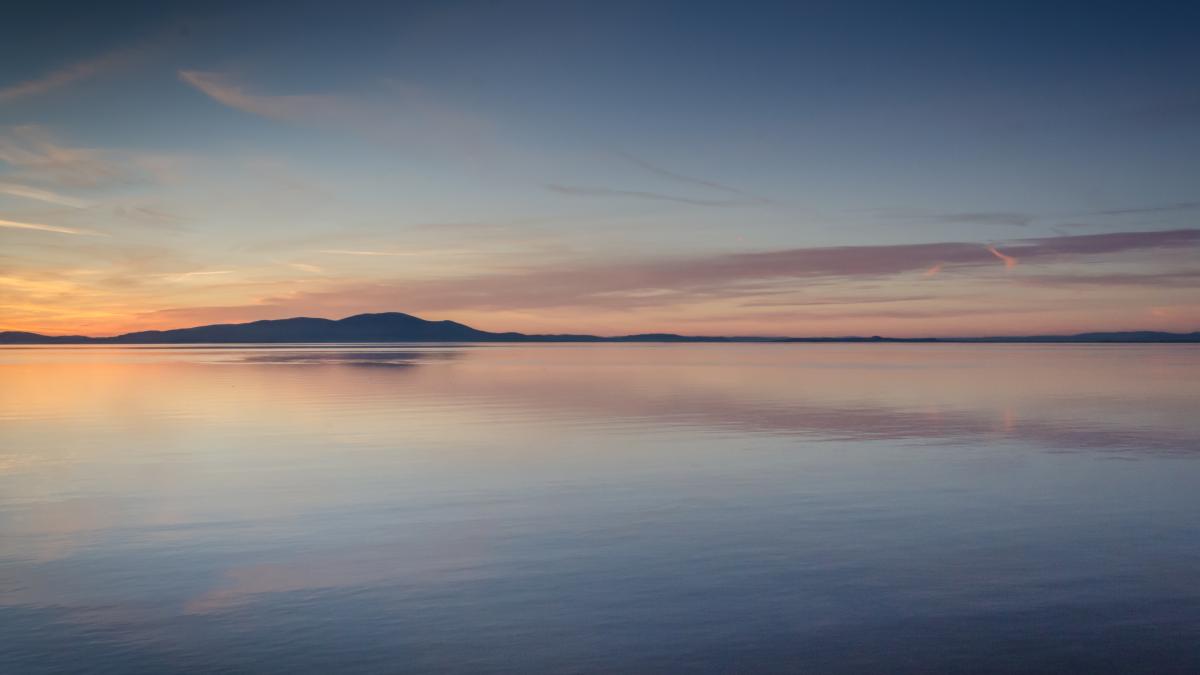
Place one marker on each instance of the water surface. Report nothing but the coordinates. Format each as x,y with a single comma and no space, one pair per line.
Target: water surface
600,508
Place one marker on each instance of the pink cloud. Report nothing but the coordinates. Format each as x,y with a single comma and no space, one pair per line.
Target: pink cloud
670,282
1009,261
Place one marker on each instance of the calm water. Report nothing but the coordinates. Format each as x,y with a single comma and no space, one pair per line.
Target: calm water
600,508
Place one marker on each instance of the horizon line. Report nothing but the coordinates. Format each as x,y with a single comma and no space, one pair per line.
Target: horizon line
926,338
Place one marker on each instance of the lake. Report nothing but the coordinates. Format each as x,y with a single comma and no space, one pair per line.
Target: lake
600,508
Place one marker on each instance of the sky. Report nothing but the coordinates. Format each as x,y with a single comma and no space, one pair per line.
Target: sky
751,168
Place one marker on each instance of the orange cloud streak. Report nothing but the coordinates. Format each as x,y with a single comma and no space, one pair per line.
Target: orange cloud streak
1009,261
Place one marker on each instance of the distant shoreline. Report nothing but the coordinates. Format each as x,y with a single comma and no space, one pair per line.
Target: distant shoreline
393,327
1086,338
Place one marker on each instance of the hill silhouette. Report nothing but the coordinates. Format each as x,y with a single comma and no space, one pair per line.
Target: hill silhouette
400,327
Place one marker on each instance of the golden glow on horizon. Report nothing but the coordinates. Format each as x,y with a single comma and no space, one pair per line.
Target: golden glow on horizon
103,317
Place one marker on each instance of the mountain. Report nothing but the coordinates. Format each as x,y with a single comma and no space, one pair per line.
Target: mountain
387,327
17,337
1120,336
1125,337
398,327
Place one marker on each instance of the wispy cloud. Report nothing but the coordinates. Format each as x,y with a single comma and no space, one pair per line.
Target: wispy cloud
346,251
674,281
223,89
1160,208
1019,219
1171,279
197,275
734,196
405,114
841,300
306,267
80,70
1009,261
986,218
27,192
16,225
1111,242
960,217
414,253
150,216
34,155
636,194
691,180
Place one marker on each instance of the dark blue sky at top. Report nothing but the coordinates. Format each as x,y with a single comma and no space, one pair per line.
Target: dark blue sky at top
958,106
743,61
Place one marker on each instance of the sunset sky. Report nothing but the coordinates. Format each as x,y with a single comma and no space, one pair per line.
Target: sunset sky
822,168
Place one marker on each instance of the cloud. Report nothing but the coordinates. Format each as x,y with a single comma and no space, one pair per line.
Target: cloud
839,301
149,216
342,251
674,281
221,88
1174,279
992,218
35,155
413,253
12,224
305,267
965,218
637,194
1112,242
27,192
1162,208
739,197
195,276
80,70
1018,219
712,185
1009,261
408,116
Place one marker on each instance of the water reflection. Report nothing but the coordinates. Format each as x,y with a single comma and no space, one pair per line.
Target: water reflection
1030,394
317,356
599,507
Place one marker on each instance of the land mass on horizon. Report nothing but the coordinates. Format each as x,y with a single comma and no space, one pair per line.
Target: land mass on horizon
400,327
